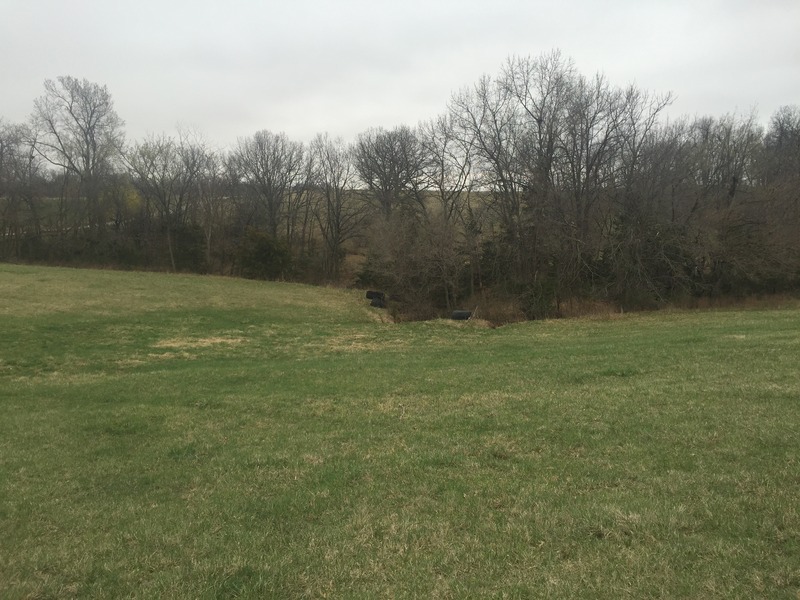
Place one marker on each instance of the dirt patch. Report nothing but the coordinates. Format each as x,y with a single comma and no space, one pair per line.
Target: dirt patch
190,343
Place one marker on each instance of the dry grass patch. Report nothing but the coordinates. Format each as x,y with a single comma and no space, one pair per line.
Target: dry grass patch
379,315
355,342
474,323
186,343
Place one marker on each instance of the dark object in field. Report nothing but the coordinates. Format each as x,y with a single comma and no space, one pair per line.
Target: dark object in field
378,299
461,315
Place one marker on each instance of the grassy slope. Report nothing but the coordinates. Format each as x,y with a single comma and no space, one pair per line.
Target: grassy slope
170,436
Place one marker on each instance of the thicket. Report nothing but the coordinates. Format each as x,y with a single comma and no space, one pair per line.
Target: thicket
534,190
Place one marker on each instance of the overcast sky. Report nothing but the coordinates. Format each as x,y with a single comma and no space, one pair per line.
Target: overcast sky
230,68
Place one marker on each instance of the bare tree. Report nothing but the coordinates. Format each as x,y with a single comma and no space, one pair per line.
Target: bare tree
441,258
542,87
215,207
271,165
392,166
638,130
448,165
166,172
780,178
487,119
339,216
543,90
782,145
590,144
299,208
20,187
79,130
780,161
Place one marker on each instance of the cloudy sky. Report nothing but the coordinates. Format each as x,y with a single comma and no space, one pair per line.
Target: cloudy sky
229,68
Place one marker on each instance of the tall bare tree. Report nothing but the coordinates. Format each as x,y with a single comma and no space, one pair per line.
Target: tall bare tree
339,214
542,87
166,172
392,166
215,208
79,130
271,165
21,178
780,179
487,119
448,165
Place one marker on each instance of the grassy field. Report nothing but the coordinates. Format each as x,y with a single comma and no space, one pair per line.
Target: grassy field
198,437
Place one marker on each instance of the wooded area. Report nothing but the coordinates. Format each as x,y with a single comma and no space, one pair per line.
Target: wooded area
536,187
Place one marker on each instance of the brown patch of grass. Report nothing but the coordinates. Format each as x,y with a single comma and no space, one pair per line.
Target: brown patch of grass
356,342
170,355
474,322
191,343
380,315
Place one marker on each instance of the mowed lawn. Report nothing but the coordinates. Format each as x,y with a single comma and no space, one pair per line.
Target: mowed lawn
199,437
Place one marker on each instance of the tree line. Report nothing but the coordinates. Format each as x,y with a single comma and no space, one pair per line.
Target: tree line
534,188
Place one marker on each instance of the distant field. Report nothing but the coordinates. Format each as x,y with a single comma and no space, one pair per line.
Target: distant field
197,437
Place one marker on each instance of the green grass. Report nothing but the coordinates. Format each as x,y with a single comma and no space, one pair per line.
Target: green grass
198,437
